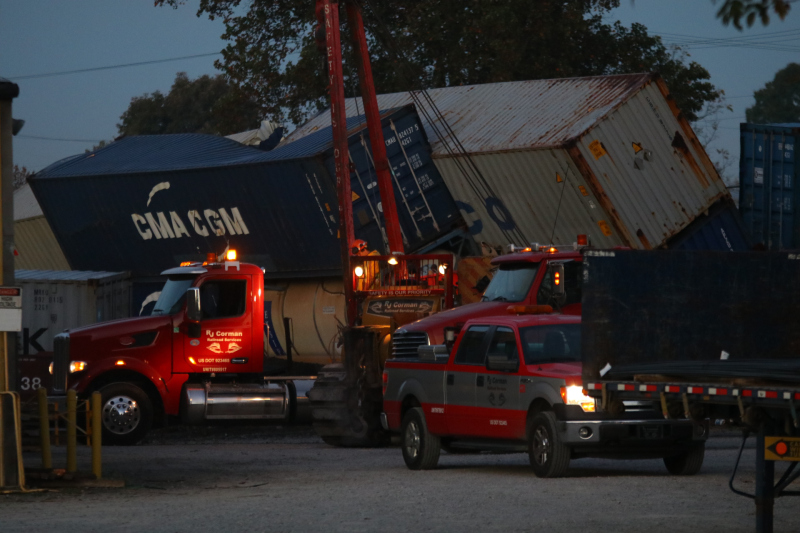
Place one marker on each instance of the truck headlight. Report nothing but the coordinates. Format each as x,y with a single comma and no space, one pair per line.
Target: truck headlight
574,395
74,366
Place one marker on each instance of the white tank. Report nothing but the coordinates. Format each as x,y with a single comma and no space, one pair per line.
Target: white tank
316,309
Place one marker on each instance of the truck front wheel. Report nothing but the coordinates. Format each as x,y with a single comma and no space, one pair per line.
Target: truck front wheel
687,463
420,448
127,414
548,456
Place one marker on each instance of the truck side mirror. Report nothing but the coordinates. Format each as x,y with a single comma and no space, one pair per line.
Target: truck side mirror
193,312
558,280
501,363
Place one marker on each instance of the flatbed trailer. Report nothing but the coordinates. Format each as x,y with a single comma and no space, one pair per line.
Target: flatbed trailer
706,337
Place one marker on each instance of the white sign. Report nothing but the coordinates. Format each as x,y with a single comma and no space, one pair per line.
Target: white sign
10,309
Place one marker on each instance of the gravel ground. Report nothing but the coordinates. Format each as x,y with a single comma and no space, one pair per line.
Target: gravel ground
272,478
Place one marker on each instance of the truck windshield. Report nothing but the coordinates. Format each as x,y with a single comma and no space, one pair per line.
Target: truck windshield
511,283
551,344
173,295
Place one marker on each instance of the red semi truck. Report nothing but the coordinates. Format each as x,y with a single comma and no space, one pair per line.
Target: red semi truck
513,383
537,275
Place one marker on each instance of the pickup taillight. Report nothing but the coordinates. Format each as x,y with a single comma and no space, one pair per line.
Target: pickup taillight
385,380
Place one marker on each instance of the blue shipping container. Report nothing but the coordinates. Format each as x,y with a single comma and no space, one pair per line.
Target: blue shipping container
768,175
146,203
721,229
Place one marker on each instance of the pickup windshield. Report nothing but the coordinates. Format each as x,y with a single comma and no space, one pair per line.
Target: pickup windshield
551,344
511,283
173,295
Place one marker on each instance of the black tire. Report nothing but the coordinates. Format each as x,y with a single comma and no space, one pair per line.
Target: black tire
127,414
687,463
420,448
548,456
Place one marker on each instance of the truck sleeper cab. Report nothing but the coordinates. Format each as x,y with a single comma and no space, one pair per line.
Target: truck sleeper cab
512,383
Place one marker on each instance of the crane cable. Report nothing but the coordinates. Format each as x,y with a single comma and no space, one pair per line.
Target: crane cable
452,145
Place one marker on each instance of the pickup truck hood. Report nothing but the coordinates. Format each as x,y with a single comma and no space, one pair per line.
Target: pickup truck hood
557,370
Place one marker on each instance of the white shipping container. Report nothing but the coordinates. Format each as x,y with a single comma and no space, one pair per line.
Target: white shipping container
53,301
608,156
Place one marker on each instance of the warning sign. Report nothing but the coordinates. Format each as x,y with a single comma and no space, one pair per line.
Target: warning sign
597,149
637,148
782,448
354,195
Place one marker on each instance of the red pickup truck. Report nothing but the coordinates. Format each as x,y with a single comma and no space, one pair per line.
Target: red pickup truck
513,383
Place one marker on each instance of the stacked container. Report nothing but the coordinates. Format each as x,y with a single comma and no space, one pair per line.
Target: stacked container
768,175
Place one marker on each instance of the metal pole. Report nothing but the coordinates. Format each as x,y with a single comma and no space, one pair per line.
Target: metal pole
44,428
765,482
72,431
8,91
97,436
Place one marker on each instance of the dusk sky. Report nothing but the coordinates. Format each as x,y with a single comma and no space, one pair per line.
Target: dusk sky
66,114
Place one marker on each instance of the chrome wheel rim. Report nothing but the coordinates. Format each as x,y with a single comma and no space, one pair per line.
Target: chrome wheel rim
541,446
121,415
412,441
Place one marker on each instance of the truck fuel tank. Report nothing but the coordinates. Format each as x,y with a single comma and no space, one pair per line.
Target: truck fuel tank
215,401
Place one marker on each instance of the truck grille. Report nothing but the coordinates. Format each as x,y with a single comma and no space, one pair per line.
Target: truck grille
60,362
405,343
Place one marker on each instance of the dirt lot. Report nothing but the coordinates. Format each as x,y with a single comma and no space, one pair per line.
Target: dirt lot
285,479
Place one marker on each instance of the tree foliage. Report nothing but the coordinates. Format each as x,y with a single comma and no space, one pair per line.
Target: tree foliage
736,11
20,176
271,55
779,100
204,105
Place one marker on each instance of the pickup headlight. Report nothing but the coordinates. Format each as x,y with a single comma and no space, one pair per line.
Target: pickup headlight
574,395
74,366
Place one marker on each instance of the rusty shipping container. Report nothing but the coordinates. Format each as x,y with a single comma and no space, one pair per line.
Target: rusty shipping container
608,156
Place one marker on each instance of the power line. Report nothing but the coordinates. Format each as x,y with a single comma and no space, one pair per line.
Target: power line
110,67
39,138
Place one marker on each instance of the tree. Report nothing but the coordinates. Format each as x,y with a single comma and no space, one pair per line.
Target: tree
20,176
205,105
779,100
749,10
271,54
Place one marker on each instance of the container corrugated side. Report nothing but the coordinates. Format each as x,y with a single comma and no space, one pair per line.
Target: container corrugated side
720,229
648,169
528,203
37,246
49,306
768,190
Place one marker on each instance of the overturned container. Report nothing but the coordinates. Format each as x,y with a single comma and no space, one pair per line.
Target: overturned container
545,160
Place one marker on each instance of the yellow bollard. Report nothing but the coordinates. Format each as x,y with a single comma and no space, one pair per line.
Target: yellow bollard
72,431
97,436
44,429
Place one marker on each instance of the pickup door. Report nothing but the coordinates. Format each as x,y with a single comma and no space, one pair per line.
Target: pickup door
483,402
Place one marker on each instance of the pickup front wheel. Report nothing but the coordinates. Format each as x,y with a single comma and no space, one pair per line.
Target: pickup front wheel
127,413
420,448
548,456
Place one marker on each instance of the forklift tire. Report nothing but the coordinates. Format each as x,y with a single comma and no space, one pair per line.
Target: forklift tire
687,463
127,414
420,448
548,456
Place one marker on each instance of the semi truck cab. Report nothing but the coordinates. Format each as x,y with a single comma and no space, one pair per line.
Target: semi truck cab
207,366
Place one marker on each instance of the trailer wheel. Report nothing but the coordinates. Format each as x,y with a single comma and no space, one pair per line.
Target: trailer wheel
420,448
127,414
548,456
687,463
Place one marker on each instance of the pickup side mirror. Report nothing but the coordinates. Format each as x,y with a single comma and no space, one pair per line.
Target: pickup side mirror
193,312
433,353
501,363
